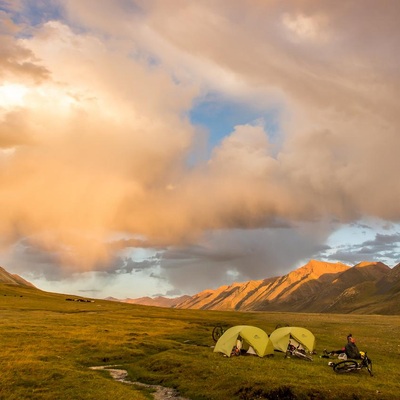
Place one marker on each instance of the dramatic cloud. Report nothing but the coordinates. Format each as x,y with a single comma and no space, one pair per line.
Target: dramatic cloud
383,248
99,158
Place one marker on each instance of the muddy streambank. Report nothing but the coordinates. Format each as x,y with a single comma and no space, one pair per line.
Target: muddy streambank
161,392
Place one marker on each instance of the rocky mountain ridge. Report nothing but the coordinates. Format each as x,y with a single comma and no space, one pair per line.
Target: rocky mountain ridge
321,287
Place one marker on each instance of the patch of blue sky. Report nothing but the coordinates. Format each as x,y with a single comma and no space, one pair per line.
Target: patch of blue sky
37,12
219,117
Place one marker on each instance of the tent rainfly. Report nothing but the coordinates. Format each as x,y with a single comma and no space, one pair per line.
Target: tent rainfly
251,336
280,338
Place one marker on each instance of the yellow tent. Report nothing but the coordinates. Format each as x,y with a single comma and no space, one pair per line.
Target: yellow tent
251,336
280,338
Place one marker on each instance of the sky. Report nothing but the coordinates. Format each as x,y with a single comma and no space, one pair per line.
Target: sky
165,147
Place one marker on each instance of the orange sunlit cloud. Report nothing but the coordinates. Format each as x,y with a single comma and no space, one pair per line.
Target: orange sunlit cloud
96,139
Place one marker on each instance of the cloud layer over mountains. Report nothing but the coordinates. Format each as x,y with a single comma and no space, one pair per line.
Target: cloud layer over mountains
99,156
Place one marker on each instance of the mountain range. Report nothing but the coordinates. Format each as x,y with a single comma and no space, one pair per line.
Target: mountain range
316,287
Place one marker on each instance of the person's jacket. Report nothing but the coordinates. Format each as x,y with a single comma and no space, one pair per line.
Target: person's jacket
352,351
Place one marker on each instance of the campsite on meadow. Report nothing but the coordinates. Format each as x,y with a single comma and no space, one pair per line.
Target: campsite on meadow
199,200
50,345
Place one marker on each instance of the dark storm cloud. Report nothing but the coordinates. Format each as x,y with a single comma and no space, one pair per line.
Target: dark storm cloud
130,265
238,255
382,240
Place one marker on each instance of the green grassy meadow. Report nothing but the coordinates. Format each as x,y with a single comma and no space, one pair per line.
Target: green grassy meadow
48,345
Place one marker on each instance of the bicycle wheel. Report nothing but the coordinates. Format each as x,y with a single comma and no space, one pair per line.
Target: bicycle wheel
343,367
217,332
369,367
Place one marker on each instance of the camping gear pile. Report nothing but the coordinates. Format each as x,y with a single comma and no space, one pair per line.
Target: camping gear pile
246,339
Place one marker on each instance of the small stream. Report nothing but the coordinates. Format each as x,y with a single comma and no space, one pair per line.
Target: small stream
120,375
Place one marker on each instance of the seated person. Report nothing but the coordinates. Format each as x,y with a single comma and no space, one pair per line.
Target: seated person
351,349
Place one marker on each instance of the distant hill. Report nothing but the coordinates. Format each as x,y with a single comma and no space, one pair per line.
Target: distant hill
320,287
159,301
13,279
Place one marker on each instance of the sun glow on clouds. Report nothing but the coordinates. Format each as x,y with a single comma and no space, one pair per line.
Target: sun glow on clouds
12,95
39,98
102,139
